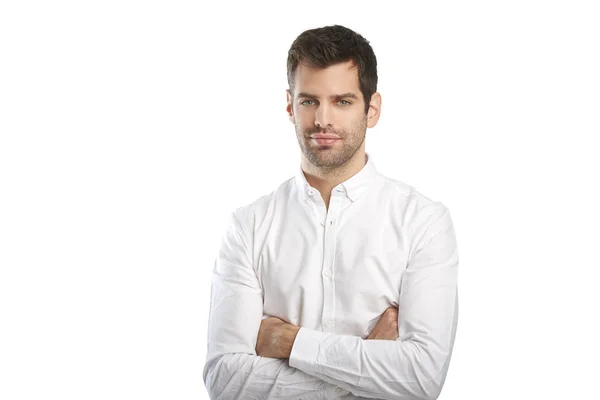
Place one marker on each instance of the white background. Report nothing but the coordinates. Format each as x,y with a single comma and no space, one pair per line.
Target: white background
129,130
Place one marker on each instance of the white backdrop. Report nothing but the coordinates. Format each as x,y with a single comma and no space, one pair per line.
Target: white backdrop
129,130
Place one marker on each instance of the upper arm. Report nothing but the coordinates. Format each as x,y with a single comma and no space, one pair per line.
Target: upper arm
428,306
236,296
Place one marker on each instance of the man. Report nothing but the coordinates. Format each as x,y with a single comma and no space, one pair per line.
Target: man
341,283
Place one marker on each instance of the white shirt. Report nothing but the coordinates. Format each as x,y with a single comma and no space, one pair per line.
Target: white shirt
333,273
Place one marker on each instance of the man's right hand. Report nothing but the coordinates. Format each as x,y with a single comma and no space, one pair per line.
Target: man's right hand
387,326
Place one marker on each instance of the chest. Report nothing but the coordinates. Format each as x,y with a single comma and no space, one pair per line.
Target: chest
343,269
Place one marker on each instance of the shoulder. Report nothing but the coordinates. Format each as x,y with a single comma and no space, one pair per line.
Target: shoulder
421,216
248,214
414,201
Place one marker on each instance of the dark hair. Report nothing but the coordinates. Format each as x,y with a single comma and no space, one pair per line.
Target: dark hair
322,47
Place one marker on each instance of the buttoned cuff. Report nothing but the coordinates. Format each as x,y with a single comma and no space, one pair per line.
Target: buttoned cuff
304,357
305,350
334,392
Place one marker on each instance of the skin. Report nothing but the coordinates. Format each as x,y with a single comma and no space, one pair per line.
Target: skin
387,326
276,337
327,100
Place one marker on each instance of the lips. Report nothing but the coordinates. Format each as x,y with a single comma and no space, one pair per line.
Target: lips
322,141
324,138
328,136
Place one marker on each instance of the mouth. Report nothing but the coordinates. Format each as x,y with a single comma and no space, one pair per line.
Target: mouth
324,141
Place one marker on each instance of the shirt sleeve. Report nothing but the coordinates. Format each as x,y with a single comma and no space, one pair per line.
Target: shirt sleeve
232,369
415,365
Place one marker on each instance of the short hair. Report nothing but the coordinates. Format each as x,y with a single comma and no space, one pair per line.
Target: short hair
325,46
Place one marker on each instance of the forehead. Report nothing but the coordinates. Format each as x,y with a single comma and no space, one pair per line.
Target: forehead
337,78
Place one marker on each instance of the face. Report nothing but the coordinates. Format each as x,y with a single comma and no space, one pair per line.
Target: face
329,101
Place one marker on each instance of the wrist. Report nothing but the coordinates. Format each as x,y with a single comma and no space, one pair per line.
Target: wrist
288,336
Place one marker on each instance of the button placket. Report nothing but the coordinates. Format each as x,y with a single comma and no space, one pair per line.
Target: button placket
330,234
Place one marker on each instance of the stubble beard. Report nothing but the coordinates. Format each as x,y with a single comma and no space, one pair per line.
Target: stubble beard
331,157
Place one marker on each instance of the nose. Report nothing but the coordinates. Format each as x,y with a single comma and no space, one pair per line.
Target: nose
323,116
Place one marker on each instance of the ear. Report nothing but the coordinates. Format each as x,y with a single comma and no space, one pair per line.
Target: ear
289,108
374,110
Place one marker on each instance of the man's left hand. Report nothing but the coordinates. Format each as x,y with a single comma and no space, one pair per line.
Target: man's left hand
275,338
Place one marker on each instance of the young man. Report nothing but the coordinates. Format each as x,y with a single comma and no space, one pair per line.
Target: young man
341,283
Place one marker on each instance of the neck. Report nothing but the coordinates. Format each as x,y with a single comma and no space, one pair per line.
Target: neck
325,179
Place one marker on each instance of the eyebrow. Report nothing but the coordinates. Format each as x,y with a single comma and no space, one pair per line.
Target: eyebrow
335,96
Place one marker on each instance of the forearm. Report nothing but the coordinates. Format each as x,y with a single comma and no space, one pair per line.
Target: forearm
415,365
233,369
244,376
386,369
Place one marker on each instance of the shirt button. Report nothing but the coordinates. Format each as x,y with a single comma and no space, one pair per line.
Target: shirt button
327,274
339,390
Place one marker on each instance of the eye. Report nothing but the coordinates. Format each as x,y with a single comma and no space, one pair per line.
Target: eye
344,103
307,102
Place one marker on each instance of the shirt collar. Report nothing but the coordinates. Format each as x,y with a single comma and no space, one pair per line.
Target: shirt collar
354,186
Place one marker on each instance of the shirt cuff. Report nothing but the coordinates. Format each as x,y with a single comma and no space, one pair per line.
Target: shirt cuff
305,350
303,357
335,392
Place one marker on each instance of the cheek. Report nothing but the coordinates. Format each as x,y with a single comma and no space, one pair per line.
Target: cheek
359,121
304,118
